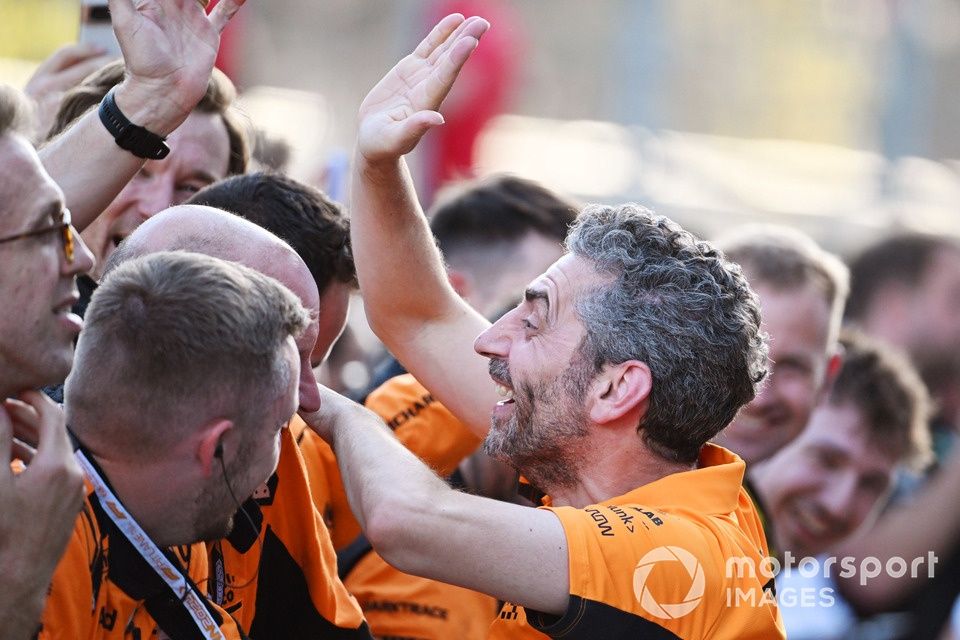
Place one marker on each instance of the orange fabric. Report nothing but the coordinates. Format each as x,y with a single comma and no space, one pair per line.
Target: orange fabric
398,605
326,485
659,554
85,603
295,529
422,424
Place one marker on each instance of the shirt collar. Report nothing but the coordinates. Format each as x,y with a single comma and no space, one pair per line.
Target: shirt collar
712,488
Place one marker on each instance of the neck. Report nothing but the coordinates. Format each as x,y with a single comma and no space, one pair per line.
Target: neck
159,513
612,467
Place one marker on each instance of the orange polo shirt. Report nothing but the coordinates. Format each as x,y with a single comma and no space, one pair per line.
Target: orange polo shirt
278,577
103,589
656,563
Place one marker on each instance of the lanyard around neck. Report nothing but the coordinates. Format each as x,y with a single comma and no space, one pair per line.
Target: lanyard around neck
147,548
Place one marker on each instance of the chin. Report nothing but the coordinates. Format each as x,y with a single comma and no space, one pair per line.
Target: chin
213,531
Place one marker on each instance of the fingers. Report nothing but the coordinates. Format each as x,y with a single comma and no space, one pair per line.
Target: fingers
71,76
417,125
122,12
221,14
438,35
51,425
471,27
67,56
22,452
25,421
6,440
439,83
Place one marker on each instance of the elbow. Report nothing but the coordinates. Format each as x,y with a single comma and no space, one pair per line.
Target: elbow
396,532
388,530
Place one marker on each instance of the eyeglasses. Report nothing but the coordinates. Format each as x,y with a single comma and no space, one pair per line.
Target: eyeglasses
66,234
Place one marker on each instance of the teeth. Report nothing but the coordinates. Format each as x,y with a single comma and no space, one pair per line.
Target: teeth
811,522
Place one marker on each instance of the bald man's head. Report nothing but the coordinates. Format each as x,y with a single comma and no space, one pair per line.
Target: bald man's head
219,234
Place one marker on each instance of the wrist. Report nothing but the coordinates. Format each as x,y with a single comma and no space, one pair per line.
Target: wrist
378,170
150,107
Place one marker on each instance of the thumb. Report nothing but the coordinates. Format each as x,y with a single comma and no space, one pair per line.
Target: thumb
414,127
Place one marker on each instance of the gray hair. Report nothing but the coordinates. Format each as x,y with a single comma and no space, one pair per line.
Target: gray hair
174,338
679,306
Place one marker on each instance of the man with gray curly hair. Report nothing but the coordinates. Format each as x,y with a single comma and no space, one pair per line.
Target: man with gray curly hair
623,359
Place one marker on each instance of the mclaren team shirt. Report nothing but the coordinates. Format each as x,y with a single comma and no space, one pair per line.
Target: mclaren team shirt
681,557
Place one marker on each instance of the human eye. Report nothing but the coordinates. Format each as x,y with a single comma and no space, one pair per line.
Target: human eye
829,460
190,187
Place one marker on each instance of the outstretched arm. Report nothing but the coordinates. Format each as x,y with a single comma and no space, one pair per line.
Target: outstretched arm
169,47
422,526
407,298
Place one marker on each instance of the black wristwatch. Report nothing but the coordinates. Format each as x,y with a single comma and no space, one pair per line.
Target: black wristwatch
130,137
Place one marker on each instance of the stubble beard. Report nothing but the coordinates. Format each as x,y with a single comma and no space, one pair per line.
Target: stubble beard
542,438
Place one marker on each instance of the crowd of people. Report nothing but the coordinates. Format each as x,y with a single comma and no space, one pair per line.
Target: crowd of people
593,423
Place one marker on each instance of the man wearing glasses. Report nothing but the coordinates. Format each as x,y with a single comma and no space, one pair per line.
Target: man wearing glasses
40,257
168,67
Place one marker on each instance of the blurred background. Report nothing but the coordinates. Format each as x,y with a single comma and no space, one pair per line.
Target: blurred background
839,117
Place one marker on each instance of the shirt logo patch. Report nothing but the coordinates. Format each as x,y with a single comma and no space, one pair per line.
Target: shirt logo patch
678,562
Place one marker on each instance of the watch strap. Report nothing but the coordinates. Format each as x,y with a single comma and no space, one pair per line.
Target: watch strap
130,137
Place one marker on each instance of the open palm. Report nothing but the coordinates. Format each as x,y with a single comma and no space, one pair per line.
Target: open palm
403,105
171,44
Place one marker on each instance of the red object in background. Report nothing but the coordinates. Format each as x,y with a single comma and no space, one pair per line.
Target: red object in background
482,91
228,58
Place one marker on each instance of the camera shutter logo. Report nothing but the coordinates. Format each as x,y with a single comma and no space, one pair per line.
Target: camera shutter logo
668,610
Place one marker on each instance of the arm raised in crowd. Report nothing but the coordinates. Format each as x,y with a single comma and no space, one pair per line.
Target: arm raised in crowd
423,527
169,48
56,75
408,300
38,505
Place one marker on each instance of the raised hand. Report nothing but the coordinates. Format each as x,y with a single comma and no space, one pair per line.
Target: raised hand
39,506
403,105
62,71
169,48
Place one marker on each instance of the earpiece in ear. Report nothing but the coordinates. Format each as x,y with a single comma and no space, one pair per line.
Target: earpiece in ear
218,452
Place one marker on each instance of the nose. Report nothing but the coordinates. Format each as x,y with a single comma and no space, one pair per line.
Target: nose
838,496
153,196
83,259
494,342
309,394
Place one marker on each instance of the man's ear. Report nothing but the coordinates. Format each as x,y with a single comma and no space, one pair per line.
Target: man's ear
620,390
210,442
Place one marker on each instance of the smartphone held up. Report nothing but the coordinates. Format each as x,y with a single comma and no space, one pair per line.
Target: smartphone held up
96,28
